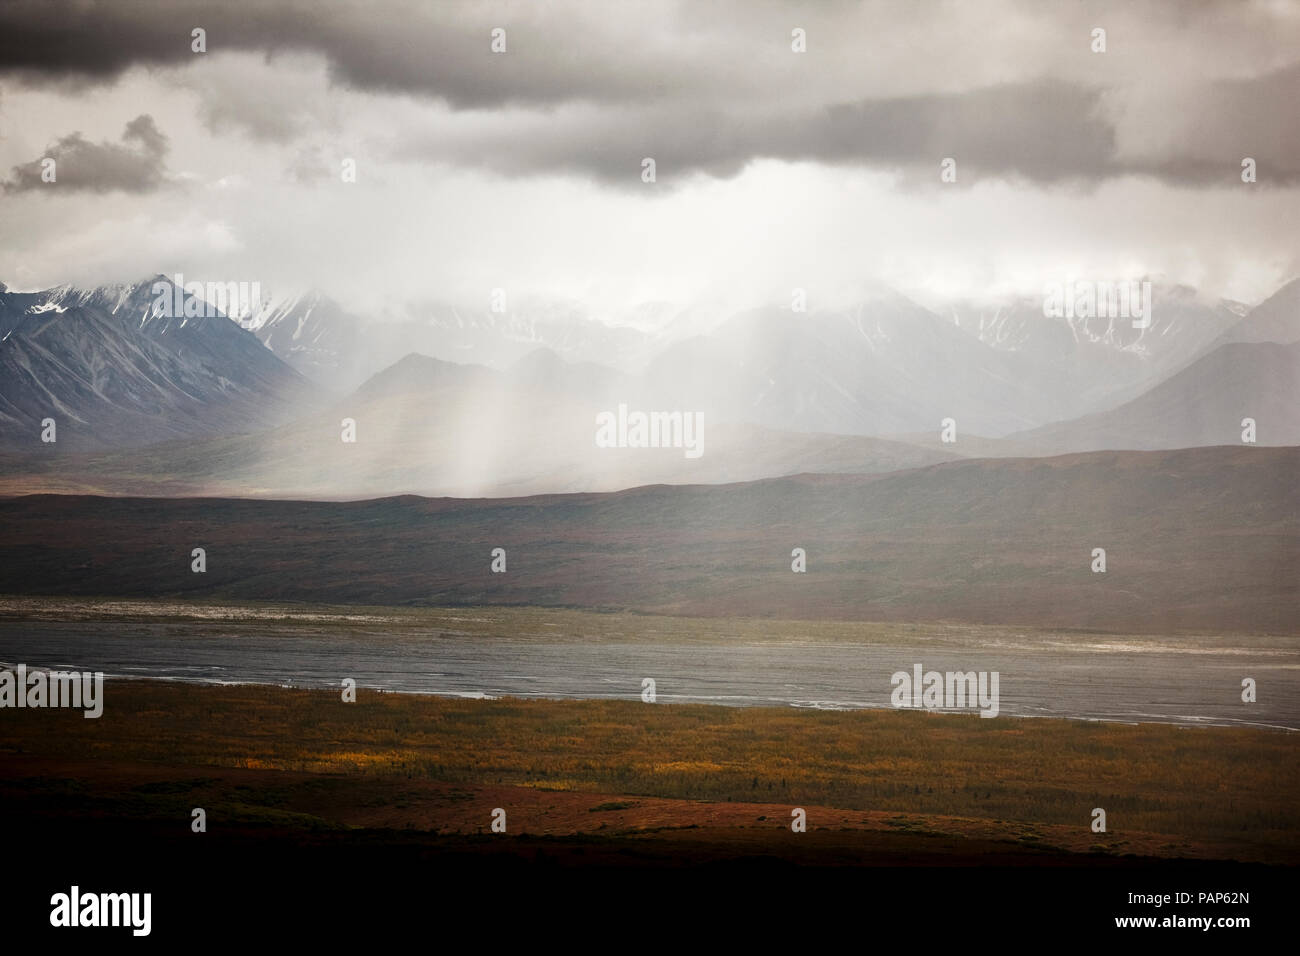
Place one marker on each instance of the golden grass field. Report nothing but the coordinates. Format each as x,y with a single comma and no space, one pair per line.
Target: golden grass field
305,758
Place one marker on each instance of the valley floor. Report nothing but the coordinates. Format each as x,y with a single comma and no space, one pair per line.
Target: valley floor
689,781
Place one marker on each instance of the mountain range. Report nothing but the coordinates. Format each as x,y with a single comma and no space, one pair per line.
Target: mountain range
339,349
1250,371
150,403
886,365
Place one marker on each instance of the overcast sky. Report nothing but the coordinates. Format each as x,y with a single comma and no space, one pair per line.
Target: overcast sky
775,169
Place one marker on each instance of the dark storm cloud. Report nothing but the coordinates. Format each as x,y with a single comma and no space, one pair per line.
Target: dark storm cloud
135,165
1205,141
435,49
1046,132
592,88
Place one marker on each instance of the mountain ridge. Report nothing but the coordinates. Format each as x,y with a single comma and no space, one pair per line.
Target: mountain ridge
1195,539
113,369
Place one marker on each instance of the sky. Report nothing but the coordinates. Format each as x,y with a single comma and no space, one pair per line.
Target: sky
522,170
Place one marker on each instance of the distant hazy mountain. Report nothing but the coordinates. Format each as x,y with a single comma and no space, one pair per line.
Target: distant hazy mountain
890,366
511,394
1204,404
883,367
887,365
441,428
1072,366
314,335
112,369
1276,319
340,349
